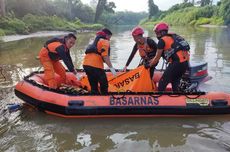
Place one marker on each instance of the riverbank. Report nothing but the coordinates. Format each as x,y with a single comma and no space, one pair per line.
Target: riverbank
214,26
186,14
33,23
16,37
176,20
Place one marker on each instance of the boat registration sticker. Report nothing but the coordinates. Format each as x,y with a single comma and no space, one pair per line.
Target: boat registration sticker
199,101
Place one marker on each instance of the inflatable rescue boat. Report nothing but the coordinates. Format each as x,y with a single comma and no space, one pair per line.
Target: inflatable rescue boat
75,102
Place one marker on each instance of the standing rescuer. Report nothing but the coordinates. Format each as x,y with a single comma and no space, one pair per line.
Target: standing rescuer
146,46
54,50
96,54
175,50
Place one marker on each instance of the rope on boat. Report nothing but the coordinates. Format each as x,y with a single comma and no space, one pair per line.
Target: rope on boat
197,96
122,97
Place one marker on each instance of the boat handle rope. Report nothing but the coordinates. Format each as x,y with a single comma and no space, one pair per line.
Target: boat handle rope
197,96
118,98
155,96
122,97
174,95
182,94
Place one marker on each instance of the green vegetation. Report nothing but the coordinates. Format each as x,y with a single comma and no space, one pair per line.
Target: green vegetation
193,16
36,23
103,6
2,33
122,18
29,16
188,14
224,11
153,9
12,25
211,21
32,23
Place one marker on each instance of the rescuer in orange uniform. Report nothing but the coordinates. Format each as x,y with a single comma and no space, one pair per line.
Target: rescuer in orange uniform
54,50
97,54
175,50
146,47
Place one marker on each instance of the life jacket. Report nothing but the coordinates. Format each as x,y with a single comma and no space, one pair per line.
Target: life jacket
92,48
51,48
178,44
145,51
56,39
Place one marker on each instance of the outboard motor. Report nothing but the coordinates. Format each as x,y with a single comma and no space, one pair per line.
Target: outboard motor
196,74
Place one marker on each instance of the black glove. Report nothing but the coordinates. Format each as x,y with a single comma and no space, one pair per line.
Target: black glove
146,65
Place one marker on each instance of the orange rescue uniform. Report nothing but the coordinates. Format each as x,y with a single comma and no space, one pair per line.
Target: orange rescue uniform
52,66
95,60
178,63
181,55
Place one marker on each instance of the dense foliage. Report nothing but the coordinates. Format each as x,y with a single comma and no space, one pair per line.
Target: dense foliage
33,15
153,9
225,11
188,14
69,9
193,16
32,23
29,16
122,18
2,32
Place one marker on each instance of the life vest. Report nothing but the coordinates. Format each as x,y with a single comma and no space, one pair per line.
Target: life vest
51,48
92,48
173,44
56,39
145,51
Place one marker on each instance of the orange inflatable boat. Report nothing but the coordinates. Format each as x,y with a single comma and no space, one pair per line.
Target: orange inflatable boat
73,103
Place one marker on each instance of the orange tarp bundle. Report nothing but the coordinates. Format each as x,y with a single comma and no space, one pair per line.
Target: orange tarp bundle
136,80
85,82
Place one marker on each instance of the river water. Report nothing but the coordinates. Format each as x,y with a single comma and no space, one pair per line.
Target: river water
31,130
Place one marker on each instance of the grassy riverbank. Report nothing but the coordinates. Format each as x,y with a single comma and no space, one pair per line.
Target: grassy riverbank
33,23
188,14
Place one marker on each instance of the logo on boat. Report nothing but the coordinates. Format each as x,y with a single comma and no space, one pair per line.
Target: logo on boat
134,101
199,101
127,80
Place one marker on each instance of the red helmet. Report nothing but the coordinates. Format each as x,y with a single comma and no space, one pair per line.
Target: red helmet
161,27
137,31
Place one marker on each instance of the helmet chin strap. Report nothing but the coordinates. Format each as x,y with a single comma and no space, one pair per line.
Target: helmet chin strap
162,33
142,41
